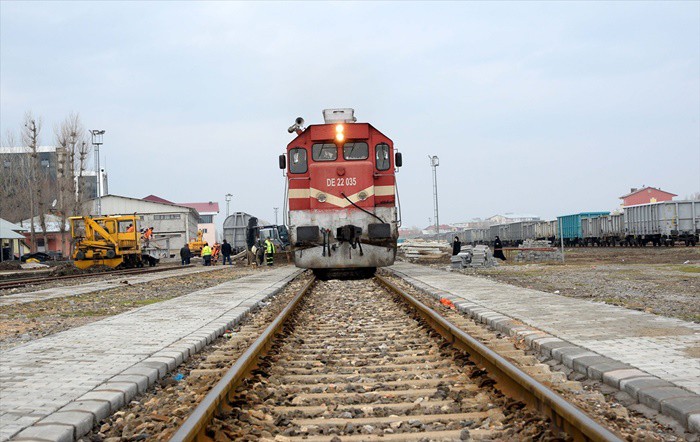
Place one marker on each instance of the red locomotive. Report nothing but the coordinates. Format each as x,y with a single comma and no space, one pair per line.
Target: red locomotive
341,194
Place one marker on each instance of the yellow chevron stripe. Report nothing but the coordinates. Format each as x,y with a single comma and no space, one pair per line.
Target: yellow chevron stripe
298,193
384,190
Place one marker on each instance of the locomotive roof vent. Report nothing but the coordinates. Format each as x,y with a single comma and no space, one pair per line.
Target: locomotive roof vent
343,115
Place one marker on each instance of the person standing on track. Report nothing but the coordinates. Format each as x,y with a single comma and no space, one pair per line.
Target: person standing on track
226,252
269,252
185,254
206,254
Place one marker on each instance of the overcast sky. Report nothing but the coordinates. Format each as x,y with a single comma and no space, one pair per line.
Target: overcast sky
544,108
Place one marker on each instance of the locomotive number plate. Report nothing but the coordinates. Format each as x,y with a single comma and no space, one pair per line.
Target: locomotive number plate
333,182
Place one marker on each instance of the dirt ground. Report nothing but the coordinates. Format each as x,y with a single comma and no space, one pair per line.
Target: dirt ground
659,280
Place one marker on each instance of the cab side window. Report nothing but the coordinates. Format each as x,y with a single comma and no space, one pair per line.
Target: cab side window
382,159
298,163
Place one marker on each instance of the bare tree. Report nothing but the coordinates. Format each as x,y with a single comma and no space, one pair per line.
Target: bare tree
30,138
69,138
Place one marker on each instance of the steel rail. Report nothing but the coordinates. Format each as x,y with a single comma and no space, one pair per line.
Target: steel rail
218,398
512,381
19,282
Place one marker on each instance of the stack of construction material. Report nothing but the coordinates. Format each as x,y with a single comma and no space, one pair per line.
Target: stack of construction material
418,249
482,257
479,256
537,251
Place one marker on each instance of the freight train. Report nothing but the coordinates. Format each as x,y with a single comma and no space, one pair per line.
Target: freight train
662,223
341,195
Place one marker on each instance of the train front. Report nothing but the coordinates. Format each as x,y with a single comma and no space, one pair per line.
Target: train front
341,194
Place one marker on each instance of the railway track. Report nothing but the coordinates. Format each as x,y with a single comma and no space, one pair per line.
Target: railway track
365,360
16,283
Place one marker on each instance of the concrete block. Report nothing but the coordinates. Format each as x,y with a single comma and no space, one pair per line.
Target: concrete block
567,354
694,423
142,370
81,421
168,353
614,377
556,343
140,381
597,371
652,397
170,362
48,433
99,409
635,385
129,389
162,367
682,407
115,399
582,363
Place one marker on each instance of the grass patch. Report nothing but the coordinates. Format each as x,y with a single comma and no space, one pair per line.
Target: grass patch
687,268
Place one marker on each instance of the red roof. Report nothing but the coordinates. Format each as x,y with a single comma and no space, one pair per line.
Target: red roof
157,199
636,191
203,208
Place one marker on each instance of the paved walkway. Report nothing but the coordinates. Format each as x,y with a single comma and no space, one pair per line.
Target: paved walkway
67,382
598,339
98,286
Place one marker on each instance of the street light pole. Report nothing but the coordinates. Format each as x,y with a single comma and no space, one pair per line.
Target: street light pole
434,163
97,142
228,202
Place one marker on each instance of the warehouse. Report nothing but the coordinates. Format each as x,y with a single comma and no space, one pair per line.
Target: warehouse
178,223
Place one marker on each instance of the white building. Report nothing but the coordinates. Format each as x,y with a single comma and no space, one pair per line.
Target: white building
207,212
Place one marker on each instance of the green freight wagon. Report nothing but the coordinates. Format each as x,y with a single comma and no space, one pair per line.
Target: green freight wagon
569,227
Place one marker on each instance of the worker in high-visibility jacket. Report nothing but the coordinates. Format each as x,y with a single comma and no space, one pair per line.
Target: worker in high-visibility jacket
269,252
206,254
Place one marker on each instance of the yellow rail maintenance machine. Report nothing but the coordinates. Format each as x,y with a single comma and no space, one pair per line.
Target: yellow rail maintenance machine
112,241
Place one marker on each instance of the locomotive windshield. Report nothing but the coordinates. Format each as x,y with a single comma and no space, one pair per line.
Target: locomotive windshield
324,152
355,151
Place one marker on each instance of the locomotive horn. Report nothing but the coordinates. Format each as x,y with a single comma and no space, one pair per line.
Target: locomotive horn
297,127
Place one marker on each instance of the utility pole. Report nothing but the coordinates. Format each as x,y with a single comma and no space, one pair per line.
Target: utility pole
228,202
97,142
434,163
276,209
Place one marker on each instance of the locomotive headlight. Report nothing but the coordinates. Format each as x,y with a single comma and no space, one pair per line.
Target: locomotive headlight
321,197
339,135
362,196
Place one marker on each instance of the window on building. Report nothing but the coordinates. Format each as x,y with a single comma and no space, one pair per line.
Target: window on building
44,163
324,152
166,216
204,230
298,162
206,219
356,151
382,156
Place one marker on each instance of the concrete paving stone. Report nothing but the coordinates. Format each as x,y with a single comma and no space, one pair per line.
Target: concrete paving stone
140,381
597,371
170,362
129,389
99,409
142,370
537,343
161,366
176,355
548,347
115,399
635,385
82,421
653,397
566,355
47,433
694,423
681,408
582,363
